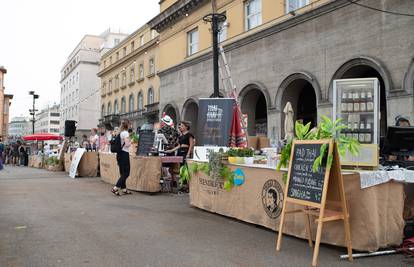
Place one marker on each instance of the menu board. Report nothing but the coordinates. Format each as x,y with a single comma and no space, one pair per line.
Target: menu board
304,184
145,143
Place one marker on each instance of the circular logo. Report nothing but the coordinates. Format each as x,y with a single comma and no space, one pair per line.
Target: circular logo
272,198
239,177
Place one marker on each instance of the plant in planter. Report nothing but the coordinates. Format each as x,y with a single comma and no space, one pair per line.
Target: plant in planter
327,129
134,138
248,154
232,154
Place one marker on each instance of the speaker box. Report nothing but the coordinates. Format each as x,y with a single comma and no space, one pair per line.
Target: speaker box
70,128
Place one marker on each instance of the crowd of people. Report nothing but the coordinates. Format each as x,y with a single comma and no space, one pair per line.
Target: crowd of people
13,154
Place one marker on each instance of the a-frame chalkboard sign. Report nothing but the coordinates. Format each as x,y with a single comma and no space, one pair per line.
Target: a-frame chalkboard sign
321,193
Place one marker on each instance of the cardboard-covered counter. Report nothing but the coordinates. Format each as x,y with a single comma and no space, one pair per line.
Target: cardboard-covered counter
376,213
144,176
88,164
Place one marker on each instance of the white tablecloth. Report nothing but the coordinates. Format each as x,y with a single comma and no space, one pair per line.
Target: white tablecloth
371,178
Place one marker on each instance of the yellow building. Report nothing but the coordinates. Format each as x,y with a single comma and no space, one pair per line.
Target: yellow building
129,80
186,44
5,102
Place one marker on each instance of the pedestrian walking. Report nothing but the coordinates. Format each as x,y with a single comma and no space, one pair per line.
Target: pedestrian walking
22,152
1,154
120,145
15,153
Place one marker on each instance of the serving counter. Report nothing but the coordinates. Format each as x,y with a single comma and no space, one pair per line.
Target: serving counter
376,213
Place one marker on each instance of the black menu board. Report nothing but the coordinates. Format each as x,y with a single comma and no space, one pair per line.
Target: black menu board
304,184
145,142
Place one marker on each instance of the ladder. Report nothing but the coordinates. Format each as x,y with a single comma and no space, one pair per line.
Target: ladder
229,87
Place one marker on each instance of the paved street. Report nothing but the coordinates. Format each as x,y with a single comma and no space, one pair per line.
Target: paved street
49,219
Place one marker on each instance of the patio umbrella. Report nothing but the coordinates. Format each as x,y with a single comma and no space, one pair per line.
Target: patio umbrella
42,137
289,128
237,135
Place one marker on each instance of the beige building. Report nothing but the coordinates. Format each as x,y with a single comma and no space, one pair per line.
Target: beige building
5,102
285,51
129,80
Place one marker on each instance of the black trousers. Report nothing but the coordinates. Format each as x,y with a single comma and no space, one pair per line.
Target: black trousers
124,168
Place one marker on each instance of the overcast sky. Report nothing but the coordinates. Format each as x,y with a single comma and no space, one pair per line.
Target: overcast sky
36,37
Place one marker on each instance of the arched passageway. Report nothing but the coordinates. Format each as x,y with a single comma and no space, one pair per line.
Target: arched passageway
255,106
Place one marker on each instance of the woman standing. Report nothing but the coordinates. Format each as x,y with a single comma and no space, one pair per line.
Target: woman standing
185,141
122,158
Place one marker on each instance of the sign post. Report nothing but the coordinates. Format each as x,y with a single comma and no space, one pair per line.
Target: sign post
321,193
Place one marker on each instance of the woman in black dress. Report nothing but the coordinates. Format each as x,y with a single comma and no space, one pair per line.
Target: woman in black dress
185,141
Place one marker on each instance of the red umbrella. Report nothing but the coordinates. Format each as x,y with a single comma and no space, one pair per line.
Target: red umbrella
42,137
237,134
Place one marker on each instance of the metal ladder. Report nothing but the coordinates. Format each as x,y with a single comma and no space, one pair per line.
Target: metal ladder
229,87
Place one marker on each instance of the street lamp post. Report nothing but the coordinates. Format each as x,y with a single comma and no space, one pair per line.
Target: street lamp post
33,111
214,19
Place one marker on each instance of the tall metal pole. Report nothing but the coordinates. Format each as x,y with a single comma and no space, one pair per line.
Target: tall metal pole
215,56
33,120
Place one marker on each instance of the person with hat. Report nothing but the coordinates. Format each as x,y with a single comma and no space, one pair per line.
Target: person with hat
185,141
168,130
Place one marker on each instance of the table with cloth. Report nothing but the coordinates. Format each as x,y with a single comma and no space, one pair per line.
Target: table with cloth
376,212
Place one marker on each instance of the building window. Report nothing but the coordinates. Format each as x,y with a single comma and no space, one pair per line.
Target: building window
292,5
140,101
192,42
104,88
117,55
117,41
253,14
123,105
131,74
124,78
116,82
141,71
141,40
109,109
110,60
103,110
222,25
110,86
124,51
150,96
132,46
104,65
131,103
151,66
116,108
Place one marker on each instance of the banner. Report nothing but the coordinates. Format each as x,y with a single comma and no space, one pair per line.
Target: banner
75,162
214,121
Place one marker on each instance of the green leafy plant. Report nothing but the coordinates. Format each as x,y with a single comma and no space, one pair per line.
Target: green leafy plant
246,152
327,129
52,161
134,138
184,175
232,152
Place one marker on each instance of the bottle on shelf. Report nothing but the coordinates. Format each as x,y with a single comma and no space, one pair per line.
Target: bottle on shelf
349,102
349,130
368,133
344,102
363,103
356,100
355,130
361,135
370,101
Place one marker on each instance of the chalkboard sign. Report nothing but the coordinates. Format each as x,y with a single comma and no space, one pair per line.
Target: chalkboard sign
304,184
145,142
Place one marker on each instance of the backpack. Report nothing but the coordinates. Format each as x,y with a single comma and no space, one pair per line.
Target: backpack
115,142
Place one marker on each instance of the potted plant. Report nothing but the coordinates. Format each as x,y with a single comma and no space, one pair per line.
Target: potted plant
327,129
240,156
232,155
134,144
248,154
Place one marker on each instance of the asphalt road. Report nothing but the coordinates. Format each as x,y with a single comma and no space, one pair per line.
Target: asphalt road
49,219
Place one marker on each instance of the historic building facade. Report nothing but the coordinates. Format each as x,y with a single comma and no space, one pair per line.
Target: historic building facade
19,127
129,80
48,120
5,102
280,51
80,87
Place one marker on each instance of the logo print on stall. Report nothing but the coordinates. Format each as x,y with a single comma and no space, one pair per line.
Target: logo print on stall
239,177
272,198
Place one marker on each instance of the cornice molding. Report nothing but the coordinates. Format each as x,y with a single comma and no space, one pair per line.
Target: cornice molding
174,13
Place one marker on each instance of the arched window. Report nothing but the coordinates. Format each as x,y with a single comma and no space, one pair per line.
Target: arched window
103,110
109,109
150,96
123,105
131,103
116,108
140,101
